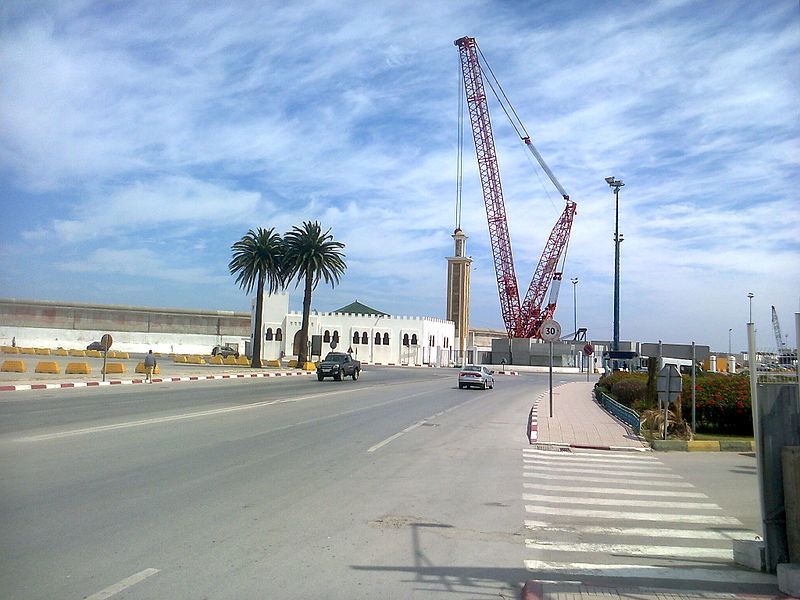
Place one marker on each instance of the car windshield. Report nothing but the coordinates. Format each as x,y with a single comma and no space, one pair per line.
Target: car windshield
471,368
336,357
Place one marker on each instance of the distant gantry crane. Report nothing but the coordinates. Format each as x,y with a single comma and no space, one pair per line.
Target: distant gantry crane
522,320
783,350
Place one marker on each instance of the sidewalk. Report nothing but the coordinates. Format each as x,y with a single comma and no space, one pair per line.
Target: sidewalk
579,422
548,590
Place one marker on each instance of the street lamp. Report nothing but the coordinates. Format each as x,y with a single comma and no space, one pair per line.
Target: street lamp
616,184
750,295
729,341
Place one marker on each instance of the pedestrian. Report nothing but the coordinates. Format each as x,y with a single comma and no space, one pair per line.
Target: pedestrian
14,342
149,366
503,363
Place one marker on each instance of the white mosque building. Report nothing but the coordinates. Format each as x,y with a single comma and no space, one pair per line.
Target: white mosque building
372,336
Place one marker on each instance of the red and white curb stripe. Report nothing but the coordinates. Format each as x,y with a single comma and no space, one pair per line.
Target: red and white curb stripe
76,384
533,421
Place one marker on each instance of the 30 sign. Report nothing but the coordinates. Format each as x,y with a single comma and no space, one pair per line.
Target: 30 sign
551,331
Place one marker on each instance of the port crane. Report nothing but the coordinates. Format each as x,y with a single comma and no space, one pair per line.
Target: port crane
776,326
522,319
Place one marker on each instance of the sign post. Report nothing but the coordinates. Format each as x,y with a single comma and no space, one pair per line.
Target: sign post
669,385
588,350
550,332
105,342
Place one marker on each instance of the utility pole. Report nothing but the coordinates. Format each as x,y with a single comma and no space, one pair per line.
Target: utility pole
616,184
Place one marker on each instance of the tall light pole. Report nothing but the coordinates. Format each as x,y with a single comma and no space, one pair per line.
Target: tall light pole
729,341
751,295
616,184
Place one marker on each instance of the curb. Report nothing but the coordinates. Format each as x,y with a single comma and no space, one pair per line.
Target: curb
703,446
534,589
75,384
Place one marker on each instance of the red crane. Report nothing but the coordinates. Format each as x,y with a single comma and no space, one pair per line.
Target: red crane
521,320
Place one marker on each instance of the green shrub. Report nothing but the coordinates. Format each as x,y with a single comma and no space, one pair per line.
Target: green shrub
607,381
722,403
629,390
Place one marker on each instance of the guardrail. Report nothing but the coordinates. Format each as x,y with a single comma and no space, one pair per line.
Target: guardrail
623,413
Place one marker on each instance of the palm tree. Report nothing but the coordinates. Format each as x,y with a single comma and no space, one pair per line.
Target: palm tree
257,261
311,255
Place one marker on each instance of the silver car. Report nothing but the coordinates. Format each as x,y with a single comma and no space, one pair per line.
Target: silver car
475,375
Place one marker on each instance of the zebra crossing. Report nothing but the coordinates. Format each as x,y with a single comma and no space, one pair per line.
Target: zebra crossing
611,517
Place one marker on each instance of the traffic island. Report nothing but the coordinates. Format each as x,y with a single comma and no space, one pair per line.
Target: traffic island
703,445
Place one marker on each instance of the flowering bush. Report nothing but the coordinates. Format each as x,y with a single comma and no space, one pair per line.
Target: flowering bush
722,403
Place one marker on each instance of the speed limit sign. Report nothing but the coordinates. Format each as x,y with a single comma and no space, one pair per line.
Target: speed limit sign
551,330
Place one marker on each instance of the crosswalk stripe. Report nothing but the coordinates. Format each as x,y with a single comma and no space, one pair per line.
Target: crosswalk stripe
619,502
650,532
681,573
550,469
632,516
591,459
600,465
604,490
634,550
610,456
628,481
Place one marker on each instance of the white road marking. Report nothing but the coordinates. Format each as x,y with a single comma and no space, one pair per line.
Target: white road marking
621,503
634,550
569,457
391,438
649,467
650,532
632,516
568,469
168,419
122,585
682,573
628,481
620,491
605,455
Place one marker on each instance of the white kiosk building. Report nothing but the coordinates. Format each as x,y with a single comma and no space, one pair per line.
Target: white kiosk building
370,335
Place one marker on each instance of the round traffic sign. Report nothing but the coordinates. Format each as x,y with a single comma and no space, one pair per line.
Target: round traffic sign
588,350
550,331
106,341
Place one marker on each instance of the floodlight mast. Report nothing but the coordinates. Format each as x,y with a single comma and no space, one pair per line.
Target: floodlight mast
521,320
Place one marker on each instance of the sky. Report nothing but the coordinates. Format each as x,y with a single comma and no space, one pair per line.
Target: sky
139,140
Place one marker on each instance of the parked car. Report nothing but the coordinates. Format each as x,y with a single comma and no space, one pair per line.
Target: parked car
338,365
475,376
224,351
95,346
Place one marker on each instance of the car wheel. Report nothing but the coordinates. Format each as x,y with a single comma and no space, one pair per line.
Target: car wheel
461,386
483,387
356,374
337,377
320,377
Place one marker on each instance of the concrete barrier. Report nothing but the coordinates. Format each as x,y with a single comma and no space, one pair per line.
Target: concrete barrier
13,366
273,363
10,350
179,358
27,350
47,366
94,353
61,352
78,368
42,351
230,360
195,360
77,353
141,369
703,446
243,361
113,368
216,360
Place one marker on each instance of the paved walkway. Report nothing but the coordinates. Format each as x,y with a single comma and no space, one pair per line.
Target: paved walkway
578,421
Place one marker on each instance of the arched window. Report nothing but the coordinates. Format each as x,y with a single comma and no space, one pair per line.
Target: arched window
385,339
377,339
268,334
336,336
405,339
414,339
326,337
279,334
364,338
356,337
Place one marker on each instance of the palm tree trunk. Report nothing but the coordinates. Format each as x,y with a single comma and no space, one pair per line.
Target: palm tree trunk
302,355
255,361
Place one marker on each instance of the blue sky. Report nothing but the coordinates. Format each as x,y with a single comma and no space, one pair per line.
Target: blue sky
139,140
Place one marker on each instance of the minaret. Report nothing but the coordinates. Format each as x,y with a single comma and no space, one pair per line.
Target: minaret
458,270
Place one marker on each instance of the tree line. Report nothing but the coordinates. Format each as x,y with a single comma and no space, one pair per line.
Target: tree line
263,259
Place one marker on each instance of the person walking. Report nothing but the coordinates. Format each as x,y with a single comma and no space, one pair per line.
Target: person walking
149,367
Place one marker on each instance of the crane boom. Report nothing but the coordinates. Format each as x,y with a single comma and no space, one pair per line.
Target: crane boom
782,348
521,320
489,171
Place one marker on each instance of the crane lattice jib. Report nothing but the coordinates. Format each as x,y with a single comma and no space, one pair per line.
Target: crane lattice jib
490,183
533,315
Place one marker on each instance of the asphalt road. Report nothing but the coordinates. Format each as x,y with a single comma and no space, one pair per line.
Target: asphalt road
395,486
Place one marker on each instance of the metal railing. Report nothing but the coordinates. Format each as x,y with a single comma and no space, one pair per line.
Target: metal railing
623,413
